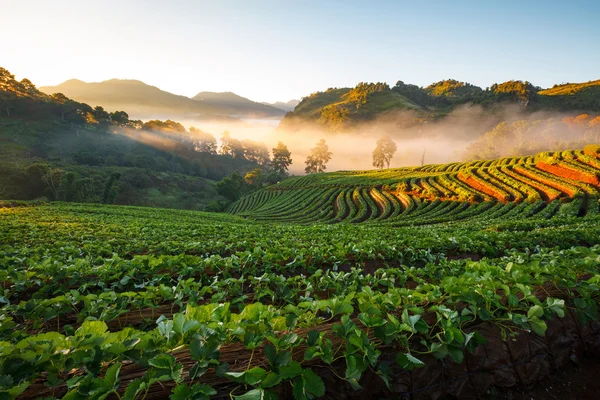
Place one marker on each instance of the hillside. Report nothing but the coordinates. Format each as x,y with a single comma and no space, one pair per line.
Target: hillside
338,109
56,148
341,109
572,96
543,184
231,104
143,101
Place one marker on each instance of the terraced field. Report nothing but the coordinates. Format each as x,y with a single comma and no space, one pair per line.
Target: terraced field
523,186
109,302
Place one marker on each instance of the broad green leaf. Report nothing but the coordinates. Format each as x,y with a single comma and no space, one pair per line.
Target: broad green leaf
291,370
538,326
408,361
313,384
272,379
257,394
535,311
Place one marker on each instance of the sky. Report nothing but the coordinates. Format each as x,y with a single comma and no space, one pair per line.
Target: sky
277,50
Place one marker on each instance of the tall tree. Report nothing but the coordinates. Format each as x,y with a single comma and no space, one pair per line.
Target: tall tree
256,152
282,159
119,117
231,146
254,178
384,151
231,187
204,142
318,158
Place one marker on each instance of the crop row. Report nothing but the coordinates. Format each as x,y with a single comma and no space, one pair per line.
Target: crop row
266,310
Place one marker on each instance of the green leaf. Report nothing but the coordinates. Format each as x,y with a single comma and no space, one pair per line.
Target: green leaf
354,370
292,370
198,391
312,338
408,361
535,311
538,326
133,389
311,352
484,314
180,392
92,328
456,353
202,391
163,361
271,353
178,323
257,394
254,375
384,372
111,375
313,384
327,350
298,392
282,358
556,306
272,379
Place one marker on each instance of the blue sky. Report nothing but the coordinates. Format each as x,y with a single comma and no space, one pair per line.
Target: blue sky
282,49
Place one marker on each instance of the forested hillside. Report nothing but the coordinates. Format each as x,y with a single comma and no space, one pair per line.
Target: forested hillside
339,109
56,148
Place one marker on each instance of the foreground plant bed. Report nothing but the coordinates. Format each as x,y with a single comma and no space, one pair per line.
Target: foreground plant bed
274,311
501,362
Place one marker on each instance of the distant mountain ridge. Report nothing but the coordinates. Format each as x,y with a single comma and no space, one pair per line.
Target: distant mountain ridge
233,104
144,101
285,106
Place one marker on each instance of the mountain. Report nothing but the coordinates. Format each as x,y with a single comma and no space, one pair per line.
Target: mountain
231,104
137,98
340,109
143,101
287,106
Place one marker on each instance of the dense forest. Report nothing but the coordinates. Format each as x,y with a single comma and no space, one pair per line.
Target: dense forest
339,109
55,148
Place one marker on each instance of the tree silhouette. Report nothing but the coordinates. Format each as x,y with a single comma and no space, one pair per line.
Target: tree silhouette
384,151
319,156
281,159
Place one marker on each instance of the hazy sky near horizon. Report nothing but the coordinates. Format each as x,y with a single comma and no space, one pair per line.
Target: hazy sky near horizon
277,50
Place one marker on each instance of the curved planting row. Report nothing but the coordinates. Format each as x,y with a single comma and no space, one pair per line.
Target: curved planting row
432,192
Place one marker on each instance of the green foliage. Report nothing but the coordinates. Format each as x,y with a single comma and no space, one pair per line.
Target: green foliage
282,159
514,91
232,187
451,88
81,310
